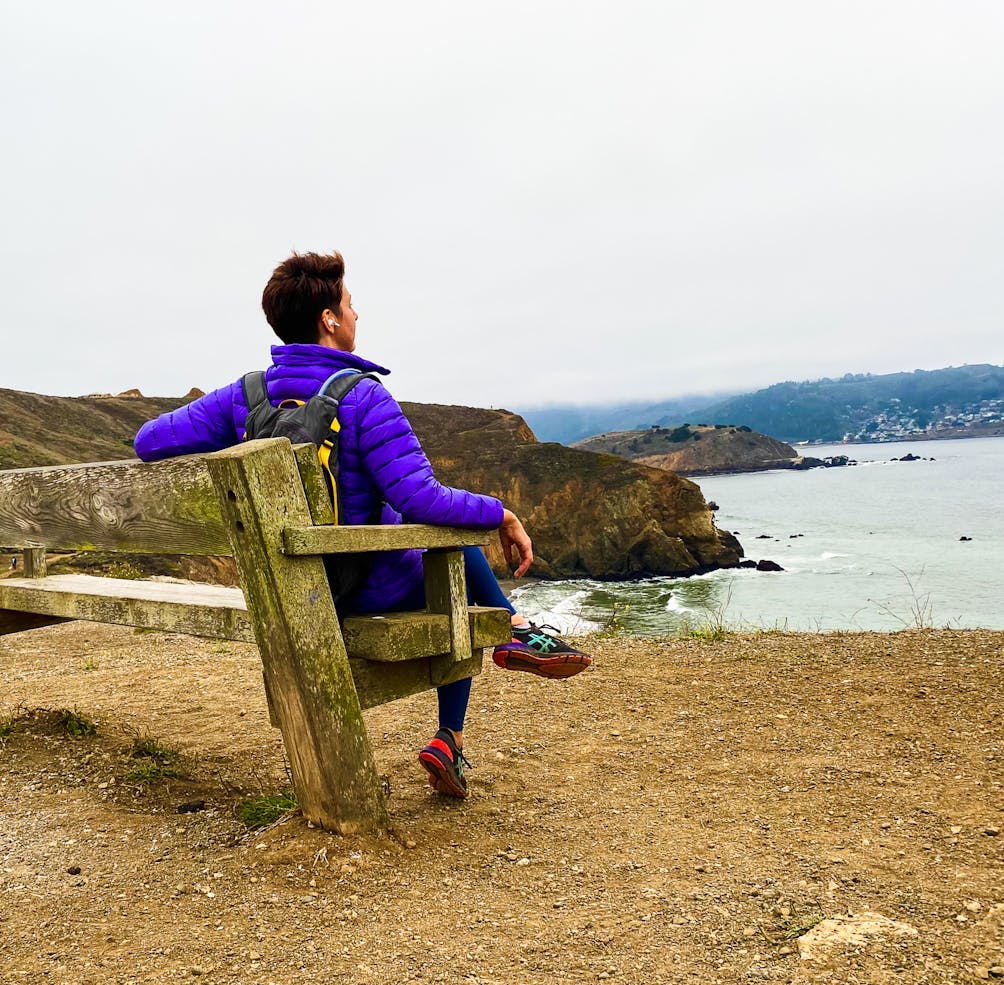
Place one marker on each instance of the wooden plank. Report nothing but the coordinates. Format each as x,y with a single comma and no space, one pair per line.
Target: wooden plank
397,636
165,507
34,561
302,541
446,592
212,611
377,683
306,667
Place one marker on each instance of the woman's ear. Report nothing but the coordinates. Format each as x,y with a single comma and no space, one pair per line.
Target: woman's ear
328,322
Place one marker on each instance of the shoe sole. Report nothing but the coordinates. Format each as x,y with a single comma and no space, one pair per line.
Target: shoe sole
561,666
439,777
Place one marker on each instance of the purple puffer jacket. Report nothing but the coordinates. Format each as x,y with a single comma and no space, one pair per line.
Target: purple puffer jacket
379,457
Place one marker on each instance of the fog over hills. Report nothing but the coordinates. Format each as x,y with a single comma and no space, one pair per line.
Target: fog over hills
952,401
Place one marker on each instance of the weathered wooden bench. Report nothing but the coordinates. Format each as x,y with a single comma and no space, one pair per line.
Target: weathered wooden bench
265,504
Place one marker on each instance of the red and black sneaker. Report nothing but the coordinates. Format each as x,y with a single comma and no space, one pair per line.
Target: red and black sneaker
445,761
537,652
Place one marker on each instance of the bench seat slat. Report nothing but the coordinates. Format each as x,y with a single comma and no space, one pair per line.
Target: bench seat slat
213,611
219,612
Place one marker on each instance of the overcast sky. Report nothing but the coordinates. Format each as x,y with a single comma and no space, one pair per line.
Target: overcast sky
537,202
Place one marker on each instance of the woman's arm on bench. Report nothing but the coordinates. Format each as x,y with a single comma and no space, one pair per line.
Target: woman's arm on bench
204,425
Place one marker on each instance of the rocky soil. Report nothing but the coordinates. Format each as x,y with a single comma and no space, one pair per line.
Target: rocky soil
789,808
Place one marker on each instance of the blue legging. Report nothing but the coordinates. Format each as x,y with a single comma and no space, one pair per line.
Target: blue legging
482,589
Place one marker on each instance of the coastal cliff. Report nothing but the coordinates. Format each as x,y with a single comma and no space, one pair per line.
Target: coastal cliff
589,514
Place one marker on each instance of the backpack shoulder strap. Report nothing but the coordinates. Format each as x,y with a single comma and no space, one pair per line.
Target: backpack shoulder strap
253,385
339,384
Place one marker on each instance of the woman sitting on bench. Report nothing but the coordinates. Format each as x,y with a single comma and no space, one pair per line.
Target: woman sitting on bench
380,461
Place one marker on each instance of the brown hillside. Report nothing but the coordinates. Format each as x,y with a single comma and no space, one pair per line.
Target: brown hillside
40,430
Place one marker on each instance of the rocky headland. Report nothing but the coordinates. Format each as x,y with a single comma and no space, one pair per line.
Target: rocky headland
593,515
704,449
589,514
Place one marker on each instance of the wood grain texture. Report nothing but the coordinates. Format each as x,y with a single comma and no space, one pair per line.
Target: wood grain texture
309,681
304,541
160,508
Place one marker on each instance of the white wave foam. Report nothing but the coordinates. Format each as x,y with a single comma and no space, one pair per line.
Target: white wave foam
673,604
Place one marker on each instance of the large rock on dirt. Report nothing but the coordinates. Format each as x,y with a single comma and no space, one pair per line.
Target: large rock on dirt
828,944
589,514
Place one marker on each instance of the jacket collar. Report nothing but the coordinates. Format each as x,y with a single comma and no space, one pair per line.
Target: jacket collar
301,354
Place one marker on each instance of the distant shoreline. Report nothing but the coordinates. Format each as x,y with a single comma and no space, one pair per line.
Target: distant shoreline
953,434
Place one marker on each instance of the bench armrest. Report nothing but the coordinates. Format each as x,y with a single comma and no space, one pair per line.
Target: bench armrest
326,539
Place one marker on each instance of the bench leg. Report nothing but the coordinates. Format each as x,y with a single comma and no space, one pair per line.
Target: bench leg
309,682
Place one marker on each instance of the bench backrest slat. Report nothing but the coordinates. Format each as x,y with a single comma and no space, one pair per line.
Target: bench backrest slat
166,507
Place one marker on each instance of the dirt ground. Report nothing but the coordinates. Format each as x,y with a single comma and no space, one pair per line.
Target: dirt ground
790,808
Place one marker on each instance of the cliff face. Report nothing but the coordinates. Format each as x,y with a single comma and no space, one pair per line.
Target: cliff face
588,514
696,449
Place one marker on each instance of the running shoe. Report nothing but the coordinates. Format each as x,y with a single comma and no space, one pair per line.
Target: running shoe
445,761
539,652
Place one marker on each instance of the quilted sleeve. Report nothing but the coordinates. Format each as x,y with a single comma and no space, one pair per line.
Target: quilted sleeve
401,470
206,424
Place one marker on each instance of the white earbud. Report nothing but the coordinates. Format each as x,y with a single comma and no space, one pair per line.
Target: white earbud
333,324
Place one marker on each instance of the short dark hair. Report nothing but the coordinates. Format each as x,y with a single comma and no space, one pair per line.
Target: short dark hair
299,289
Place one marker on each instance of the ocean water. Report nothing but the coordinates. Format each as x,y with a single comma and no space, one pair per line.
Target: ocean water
874,546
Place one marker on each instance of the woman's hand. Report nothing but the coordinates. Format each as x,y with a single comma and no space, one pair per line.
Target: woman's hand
515,540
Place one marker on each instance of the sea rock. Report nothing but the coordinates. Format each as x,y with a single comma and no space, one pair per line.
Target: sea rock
589,514
908,457
747,563
766,565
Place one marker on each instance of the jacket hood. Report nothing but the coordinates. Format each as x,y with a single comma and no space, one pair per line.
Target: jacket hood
302,354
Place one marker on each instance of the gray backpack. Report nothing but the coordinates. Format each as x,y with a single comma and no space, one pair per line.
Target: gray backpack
314,421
